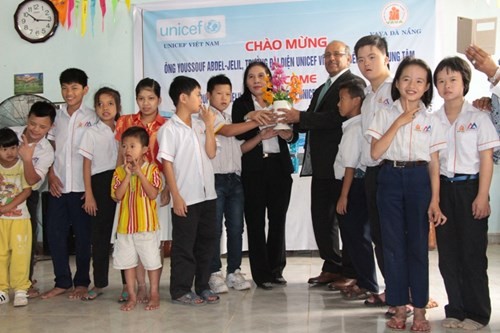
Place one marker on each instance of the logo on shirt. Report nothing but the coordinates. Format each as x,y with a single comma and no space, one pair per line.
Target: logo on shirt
84,124
424,129
383,101
35,160
468,127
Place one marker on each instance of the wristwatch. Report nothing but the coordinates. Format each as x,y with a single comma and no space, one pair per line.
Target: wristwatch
495,77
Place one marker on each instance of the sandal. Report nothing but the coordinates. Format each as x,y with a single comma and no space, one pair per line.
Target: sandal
355,293
396,324
33,292
431,304
375,301
210,297
420,326
91,295
389,314
189,299
123,297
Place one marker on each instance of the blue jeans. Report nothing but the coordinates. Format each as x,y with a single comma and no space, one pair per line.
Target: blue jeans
230,205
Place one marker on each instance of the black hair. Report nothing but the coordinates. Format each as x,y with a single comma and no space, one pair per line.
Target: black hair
408,61
113,93
73,75
148,84
137,132
246,91
372,40
355,88
216,80
8,138
455,64
182,85
43,109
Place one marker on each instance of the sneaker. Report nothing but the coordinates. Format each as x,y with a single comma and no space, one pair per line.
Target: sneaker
217,283
237,281
4,297
21,298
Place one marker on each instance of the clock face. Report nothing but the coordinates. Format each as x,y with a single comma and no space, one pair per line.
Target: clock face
36,20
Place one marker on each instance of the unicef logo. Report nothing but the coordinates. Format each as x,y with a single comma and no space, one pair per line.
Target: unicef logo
212,26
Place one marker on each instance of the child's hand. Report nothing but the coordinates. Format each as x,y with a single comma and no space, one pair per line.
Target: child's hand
483,104
90,206
435,214
133,167
481,208
207,116
267,133
55,185
179,205
26,149
165,197
285,134
262,117
342,206
408,115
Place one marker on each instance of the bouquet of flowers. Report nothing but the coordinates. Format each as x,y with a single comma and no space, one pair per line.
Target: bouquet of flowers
278,89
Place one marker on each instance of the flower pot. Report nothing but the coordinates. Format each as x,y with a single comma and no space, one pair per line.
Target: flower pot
281,105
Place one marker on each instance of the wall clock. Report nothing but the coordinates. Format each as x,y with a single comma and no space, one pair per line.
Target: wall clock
36,20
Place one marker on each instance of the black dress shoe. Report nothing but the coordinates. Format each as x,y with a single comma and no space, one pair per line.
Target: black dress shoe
265,285
280,281
324,278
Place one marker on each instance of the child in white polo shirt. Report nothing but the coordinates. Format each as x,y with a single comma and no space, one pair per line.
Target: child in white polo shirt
230,199
37,155
351,207
408,139
65,200
186,146
100,151
466,168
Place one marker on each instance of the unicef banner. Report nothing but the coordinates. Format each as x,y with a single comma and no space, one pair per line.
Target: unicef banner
202,39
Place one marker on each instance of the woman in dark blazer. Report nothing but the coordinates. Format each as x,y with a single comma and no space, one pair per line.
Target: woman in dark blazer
267,182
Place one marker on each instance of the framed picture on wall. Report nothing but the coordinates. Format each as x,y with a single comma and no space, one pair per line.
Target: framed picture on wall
28,83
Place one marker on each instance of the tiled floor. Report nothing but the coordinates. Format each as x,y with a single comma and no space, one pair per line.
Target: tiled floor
294,308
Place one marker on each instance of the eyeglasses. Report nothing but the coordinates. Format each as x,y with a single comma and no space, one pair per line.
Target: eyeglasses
328,55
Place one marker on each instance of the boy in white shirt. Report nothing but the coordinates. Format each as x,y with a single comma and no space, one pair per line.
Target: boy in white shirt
186,147
228,185
65,201
351,207
373,62
37,156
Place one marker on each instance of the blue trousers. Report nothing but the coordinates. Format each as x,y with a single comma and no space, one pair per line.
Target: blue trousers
229,207
462,243
62,213
403,199
355,231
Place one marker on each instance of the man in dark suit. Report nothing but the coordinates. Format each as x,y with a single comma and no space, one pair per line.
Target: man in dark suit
323,125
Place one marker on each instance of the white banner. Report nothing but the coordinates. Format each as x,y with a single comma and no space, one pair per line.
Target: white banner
204,38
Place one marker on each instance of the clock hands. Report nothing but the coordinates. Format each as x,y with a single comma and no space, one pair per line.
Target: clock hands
37,19
34,18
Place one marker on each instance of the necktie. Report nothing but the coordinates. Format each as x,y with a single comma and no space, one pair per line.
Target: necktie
323,91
